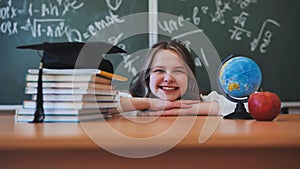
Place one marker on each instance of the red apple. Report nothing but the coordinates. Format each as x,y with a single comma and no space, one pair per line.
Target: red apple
264,106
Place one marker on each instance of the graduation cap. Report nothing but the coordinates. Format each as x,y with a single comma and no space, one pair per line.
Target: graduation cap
70,55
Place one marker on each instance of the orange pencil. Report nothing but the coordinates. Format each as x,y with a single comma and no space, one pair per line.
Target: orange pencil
112,76
80,71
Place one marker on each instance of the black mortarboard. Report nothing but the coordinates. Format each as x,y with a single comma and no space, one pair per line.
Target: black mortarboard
64,55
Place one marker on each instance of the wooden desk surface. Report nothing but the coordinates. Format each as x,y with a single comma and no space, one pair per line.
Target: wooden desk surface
253,144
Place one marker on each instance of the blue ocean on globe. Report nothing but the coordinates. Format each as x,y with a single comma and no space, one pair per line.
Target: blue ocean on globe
239,77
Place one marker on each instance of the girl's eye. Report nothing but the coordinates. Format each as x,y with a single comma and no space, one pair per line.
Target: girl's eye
179,71
158,71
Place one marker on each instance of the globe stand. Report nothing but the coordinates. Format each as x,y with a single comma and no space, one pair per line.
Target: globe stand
239,112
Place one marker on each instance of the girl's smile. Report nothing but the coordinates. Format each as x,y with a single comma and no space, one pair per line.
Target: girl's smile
168,78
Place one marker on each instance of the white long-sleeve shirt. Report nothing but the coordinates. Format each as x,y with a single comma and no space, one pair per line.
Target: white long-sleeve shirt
226,106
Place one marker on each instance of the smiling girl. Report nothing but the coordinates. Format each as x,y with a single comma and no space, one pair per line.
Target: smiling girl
167,86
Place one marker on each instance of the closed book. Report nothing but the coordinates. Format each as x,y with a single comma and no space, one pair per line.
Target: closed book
69,78
31,90
65,71
77,97
78,72
80,85
64,112
63,118
70,105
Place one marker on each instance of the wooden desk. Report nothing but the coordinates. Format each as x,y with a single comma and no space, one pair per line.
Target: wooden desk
234,144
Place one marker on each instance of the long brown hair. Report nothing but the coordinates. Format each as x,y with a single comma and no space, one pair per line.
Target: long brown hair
140,87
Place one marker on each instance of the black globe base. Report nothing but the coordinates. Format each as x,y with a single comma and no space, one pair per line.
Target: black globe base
239,113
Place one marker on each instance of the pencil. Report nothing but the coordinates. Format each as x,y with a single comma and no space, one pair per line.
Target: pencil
79,71
112,76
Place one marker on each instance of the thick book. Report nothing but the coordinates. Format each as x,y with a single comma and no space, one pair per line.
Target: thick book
31,90
63,118
62,112
70,105
78,72
65,71
79,85
69,78
77,97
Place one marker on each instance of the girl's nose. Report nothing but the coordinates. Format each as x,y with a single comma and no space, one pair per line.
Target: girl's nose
168,78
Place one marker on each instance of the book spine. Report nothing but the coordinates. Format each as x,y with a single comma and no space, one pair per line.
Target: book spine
30,90
69,78
71,105
70,97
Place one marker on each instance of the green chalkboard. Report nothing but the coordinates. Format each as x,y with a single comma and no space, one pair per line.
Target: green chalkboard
264,30
26,22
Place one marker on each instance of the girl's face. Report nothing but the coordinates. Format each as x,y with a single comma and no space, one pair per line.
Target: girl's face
168,77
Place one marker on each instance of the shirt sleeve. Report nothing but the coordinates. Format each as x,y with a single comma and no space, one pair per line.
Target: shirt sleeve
226,106
119,107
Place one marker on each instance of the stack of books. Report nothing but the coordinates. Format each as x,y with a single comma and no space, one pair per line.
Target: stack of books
69,95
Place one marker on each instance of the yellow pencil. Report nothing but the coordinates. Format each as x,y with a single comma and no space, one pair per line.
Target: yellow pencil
80,71
112,76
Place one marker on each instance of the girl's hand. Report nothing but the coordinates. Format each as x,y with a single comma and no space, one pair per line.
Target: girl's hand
200,108
154,104
157,104
171,112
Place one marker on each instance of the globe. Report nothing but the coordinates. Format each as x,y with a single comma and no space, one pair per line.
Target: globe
239,77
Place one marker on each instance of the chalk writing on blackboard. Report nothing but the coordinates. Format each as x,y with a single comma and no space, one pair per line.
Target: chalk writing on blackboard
109,20
171,25
238,29
221,9
266,38
226,13
53,19
128,59
7,13
198,62
47,19
244,3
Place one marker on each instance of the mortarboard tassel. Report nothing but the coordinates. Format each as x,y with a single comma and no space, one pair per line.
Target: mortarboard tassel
39,114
